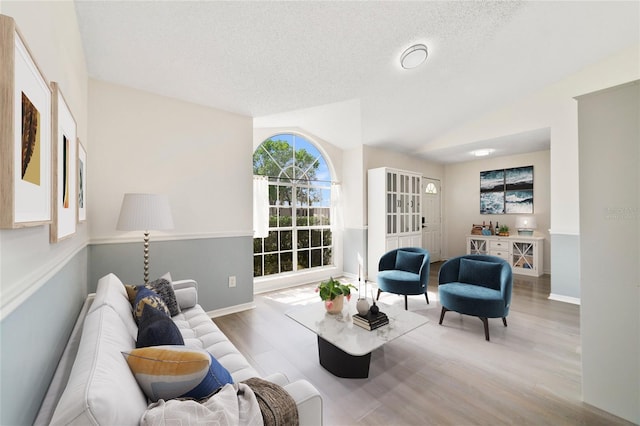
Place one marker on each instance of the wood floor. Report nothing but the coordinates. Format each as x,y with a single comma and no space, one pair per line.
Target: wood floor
528,374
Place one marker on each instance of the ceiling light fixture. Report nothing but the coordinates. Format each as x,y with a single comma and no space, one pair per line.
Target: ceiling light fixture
414,56
482,152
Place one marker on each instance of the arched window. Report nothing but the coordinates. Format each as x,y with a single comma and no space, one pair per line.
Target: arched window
299,235
431,188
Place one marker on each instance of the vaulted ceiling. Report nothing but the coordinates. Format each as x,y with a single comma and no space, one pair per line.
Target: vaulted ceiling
334,66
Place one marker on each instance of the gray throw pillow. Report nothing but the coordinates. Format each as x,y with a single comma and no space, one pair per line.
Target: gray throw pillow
165,290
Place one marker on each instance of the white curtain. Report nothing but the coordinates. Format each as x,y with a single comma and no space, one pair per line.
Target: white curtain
260,206
336,208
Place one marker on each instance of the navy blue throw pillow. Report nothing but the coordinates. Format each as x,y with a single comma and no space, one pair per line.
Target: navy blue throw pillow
409,261
478,272
156,328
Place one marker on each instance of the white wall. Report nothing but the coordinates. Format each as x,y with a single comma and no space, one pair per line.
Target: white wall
199,156
462,199
609,249
27,259
42,285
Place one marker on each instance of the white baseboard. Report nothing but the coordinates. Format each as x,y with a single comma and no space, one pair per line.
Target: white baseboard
231,310
566,299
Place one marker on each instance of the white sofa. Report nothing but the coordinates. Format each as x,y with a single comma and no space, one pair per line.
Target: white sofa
94,385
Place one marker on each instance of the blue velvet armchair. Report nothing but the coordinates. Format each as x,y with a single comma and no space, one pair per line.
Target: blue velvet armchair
477,285
404,271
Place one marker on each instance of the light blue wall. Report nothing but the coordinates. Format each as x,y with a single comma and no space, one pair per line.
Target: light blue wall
209,261
33,337
565,265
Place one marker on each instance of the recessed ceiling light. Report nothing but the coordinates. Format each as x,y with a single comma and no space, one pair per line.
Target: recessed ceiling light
482,152
414,56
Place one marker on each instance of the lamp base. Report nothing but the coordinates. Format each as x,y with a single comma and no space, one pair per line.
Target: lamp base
525,232
146,257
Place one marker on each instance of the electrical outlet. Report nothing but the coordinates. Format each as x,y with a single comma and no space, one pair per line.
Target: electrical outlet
232,281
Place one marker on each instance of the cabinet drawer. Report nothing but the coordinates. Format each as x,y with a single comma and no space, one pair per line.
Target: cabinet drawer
500,253
499,245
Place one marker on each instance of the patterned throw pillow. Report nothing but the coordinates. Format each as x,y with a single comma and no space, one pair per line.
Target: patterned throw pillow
150,298
165,290
167,372
132,292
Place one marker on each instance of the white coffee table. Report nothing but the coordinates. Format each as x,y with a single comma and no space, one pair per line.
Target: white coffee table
344,349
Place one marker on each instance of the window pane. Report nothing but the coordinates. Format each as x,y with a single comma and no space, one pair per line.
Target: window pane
302,217
271,264
285,195
316,238
303,259
326,237
273,195
286,261
326,257
303,239
273,217
319,216
257,266
271,242
316,258
285,217
286,240
257,245
302,196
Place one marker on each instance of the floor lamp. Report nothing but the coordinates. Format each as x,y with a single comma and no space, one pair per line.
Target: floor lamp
143,212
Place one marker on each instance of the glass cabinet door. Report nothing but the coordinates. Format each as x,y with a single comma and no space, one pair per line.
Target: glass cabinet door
523,255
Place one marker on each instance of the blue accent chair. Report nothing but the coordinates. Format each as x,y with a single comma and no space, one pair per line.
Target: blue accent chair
477,285
404,271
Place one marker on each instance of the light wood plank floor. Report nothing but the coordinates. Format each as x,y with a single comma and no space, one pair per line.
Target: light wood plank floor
529,374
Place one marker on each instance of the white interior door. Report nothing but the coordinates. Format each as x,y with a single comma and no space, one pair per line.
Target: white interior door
432,218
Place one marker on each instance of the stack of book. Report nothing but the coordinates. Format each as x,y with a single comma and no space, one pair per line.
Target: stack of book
371,321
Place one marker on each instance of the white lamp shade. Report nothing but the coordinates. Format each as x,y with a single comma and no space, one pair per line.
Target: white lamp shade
144,212
526,222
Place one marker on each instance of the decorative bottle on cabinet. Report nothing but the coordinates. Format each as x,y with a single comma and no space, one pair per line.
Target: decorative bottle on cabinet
394,213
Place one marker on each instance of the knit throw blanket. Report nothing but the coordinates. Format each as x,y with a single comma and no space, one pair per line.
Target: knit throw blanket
276,405
252,402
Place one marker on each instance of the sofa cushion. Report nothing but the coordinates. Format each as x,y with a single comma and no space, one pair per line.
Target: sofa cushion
199,331
409,261
472,299
100,378
486,274
150,298
156,328
167,372
110,291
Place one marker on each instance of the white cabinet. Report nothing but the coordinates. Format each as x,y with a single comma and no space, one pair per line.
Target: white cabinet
524,254
394,213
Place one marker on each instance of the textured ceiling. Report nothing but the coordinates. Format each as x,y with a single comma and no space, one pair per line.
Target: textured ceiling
332,67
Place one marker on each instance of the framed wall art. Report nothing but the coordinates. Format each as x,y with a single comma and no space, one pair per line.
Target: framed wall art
25,134
505,191
65,173
82,183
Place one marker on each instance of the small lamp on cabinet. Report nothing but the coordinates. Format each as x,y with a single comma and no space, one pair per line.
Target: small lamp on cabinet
526,225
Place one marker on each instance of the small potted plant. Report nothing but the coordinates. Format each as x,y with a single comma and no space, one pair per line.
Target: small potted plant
503,231
333,292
